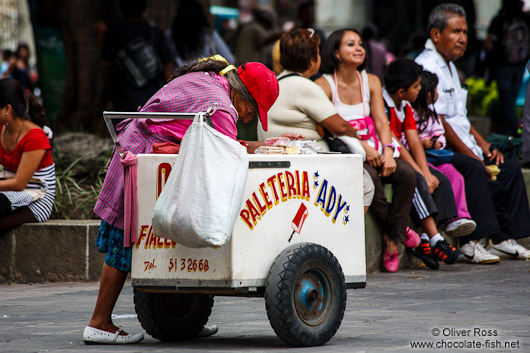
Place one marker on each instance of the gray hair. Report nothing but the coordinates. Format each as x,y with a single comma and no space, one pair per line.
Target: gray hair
441,13
216,66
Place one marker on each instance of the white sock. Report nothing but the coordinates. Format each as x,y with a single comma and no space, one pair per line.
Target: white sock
424,236
436,238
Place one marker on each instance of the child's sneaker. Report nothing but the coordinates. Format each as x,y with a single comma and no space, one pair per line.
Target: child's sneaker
461,227
424,253
413,239
445,252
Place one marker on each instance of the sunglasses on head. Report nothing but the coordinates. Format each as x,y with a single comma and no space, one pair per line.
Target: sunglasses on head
310,30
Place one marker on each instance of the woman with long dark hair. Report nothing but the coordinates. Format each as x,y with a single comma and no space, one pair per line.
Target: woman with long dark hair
357,94
27,185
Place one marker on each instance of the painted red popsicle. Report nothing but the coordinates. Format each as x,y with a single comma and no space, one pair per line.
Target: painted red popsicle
298,220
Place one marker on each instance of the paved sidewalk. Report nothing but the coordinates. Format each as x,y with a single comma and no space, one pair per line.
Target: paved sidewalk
446,307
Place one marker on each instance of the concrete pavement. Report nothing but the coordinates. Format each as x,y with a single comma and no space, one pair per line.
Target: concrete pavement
458,306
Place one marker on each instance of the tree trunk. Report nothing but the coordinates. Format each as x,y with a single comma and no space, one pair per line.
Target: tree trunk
85,92
83,101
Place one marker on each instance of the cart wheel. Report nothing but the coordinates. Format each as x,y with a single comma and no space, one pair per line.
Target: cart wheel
305,295
172,316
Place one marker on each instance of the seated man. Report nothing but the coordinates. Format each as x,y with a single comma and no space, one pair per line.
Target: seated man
499,207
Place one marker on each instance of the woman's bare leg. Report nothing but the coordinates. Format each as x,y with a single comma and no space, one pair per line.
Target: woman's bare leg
110,286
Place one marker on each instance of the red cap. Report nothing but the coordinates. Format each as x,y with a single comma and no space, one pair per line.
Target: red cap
262,85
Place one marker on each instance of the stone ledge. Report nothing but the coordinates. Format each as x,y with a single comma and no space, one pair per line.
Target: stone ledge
483,124
63,250
58,250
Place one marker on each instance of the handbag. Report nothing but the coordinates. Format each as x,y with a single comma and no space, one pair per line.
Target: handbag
365,129
343,144
200,201
438,157
335,144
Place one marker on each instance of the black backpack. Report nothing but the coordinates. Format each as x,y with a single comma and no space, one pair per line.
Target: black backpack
516,41
139,62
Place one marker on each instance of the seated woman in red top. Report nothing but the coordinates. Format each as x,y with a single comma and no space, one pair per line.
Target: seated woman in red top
27,181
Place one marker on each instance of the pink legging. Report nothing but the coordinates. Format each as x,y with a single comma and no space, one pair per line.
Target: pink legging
459,189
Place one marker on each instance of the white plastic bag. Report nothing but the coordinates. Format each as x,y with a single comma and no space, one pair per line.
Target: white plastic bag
199,204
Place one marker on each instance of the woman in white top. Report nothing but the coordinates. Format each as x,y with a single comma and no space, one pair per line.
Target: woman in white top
357,94
301,104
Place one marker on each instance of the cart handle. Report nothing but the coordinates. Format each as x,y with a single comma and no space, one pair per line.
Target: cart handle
109,115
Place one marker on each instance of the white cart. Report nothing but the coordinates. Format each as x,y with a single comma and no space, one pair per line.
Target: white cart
299,242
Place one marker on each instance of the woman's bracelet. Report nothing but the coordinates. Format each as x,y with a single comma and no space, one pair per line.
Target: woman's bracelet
391,146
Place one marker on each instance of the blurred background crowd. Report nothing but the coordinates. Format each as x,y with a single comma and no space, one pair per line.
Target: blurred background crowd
57,48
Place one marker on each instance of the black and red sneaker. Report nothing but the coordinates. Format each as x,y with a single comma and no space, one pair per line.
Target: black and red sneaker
445,252
424,253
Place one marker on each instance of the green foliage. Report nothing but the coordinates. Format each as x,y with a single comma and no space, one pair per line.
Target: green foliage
483,98
75,195
80,170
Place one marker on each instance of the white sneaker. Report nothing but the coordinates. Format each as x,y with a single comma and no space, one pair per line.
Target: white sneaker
509,249
475,252
461,227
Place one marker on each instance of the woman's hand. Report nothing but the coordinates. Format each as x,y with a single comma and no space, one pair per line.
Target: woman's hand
373,157
437,145
389,163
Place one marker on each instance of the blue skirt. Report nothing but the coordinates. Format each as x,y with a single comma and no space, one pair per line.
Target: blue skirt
110,241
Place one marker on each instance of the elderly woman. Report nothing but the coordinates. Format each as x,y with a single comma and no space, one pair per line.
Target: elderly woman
301,103
240,93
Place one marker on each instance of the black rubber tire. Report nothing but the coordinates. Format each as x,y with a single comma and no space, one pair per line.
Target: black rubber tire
172,317
288,295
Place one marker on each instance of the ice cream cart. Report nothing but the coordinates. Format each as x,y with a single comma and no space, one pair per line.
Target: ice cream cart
298,242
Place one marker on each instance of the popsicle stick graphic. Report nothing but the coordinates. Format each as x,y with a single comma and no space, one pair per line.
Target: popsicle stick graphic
298,220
